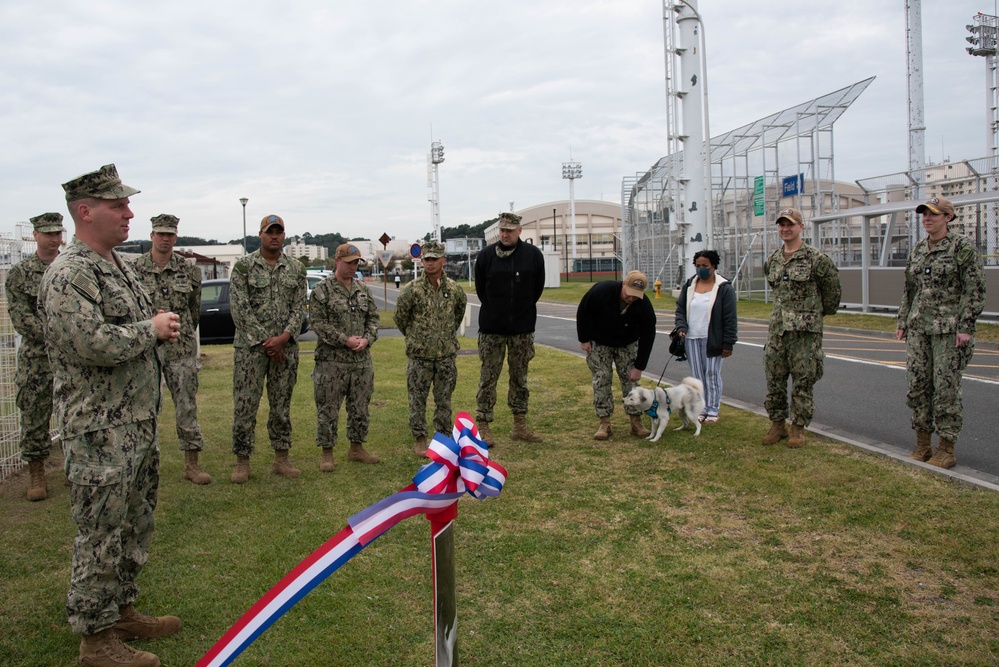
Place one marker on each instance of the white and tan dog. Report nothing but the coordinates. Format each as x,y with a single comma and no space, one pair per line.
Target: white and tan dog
686,399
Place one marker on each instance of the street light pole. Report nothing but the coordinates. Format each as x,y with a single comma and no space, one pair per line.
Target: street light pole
572,170
243,200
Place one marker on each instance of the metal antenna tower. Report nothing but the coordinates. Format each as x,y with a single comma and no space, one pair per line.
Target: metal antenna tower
435,158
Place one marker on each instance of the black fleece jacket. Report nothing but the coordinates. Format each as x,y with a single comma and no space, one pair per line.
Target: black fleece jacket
509,288
599,319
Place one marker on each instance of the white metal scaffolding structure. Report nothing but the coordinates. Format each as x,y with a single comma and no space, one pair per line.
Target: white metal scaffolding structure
793,146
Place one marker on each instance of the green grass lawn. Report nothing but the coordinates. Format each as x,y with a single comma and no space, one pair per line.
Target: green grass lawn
691,551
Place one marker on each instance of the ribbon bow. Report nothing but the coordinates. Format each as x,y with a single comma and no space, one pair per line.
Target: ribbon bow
459,465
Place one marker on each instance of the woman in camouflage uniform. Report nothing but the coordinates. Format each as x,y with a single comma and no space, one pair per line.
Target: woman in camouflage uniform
944,295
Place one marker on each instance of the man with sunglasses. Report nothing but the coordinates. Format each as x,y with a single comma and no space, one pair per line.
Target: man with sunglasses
805,286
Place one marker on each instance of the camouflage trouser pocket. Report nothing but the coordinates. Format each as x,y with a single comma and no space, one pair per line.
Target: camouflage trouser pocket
85,475
96,497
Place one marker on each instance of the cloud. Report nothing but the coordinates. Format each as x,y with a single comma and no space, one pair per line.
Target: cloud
324,113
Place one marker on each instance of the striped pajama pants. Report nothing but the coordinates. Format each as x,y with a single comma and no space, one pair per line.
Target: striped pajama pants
707,370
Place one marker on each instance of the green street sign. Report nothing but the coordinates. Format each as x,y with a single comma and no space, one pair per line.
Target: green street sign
758,194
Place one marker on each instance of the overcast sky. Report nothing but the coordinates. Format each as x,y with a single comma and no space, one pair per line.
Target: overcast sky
323,111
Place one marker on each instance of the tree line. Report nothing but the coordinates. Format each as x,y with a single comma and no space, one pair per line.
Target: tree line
329,241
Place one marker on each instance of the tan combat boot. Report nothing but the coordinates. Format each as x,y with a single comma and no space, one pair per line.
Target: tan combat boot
637,429
485,435
133,624
777,432
105,649
326,463
193,471
923,450
944,456
420,446
604,430
282,466
241,473
797,437
38,489
358,453
521,432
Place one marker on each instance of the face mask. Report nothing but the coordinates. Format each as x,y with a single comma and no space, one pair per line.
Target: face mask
703,272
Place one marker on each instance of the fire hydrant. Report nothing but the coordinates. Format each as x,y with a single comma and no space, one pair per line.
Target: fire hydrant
659,288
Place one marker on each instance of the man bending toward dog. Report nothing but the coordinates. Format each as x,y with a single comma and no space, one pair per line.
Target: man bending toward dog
616,328
806,288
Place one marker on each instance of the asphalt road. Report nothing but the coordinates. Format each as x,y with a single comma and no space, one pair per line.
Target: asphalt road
860,399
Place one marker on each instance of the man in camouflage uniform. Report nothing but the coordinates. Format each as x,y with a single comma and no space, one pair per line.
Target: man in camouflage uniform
267,294
616,327
944,295
806,288
102,335
174,285
345,319
509,280
428,313
34,377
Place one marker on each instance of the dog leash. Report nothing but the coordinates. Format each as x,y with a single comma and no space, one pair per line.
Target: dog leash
654,410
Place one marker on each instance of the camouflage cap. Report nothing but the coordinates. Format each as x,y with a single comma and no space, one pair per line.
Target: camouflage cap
432,250
937,205
164,223
509,220
46,223
348,252
792,214
635,283
271,220
101,184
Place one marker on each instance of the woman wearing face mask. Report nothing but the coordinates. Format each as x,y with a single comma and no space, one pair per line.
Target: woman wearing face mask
706,317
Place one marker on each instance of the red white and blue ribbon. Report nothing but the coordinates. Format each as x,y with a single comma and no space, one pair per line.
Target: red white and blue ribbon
459,465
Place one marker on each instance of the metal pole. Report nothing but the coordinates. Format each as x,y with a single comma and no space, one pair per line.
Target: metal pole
445,590
590,244
243,201
914,75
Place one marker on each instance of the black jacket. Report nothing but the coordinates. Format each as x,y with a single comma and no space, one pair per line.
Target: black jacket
723,325
599,319
509,289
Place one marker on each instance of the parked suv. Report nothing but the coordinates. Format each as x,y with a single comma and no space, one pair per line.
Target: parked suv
216,316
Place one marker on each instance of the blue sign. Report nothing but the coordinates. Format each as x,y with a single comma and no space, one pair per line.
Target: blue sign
415,250
792,185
